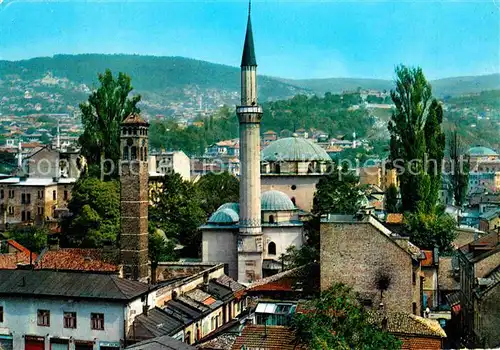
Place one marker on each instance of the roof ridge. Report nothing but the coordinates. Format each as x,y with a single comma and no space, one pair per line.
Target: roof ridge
427,323
116,285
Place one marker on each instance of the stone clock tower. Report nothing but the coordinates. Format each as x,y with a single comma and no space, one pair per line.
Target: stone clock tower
134,197
249,115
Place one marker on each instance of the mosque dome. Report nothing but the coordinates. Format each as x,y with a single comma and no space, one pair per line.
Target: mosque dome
294,149
276,201
231,205
482,151
224,216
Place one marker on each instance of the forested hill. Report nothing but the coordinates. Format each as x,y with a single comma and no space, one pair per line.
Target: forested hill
166,81
440,87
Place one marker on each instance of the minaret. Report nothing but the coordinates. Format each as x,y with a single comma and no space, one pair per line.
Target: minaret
134,197
58,137
19,155
249,115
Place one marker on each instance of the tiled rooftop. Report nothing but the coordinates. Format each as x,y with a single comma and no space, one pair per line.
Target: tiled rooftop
78,259
268,338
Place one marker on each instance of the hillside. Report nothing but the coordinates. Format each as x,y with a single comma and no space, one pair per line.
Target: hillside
441,87
176,86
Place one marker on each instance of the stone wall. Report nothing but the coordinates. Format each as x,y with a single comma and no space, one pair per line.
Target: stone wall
358,254
489,312
299,187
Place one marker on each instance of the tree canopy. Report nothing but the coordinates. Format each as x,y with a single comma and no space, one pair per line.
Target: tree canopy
102,114
32,237
176,210
95,205
217,189
336,320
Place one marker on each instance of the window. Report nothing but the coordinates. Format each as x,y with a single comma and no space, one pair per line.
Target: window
28,198
414,307
97,321
414,277
54,195
65,197
125,153
293,201
23,198
271,248
23,215
133,153
28,216
40,210
2,194
294,187
70,320
40,194
43,318
11,210
271,219
1,314
187,339
11,193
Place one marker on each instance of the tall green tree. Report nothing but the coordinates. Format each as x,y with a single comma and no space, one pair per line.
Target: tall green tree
95,206
336,320
217,189
159,249
177,211
458,168
417,141
102,114
391,199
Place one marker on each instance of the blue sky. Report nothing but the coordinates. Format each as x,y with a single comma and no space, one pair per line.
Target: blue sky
294,39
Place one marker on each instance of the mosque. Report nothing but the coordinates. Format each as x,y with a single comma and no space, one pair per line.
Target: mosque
276,189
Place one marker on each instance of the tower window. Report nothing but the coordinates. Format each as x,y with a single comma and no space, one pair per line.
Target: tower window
125,153
293,201
271,219
133,153
294,187
141,154
271,248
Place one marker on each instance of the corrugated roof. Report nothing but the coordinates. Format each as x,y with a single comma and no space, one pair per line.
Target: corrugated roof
69,284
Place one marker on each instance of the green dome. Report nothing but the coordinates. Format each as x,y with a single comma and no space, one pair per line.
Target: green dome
294,149
276,201
224,216
230,205
482,151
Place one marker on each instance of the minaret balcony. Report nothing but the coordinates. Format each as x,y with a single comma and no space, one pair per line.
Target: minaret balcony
249,109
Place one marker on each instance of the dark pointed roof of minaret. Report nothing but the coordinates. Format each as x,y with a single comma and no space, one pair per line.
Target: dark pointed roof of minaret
248,58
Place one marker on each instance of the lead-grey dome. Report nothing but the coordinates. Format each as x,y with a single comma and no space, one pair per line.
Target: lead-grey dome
294,149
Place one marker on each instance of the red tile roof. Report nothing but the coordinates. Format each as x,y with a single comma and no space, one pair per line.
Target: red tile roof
268,338
9,261
77,259
428,261
394,218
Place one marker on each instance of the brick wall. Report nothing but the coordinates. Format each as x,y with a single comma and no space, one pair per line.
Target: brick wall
358,254
420,343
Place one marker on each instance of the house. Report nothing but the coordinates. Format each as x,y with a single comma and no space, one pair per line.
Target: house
489,220
479,263
170,162
267,337
192,301
382,267
415,332
13,254
429,268
72,310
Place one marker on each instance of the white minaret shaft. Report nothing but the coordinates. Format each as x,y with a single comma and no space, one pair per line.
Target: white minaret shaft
58,139
19,155
249,114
